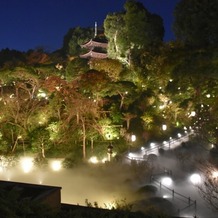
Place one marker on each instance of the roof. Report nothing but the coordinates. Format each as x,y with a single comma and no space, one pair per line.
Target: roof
93,54
30,191
92,43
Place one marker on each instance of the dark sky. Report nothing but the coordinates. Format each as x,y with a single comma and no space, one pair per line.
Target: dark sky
28,24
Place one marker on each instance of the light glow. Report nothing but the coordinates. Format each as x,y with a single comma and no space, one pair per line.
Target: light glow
152,144
133,138
215,174
56,165
93,160
26,164
195,178
192,114
104,160
164,127
179,135
167,181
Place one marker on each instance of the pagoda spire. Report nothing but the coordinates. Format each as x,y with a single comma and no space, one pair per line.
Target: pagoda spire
95,29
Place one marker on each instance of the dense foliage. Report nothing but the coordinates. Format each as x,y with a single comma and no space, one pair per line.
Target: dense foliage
59,104
132,31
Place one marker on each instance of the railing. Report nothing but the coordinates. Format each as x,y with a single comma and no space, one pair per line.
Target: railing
167,145
175,195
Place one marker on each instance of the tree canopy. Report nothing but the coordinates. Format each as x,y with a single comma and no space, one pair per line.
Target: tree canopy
133,29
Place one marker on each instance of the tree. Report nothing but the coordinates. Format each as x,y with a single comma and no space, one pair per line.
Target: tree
126,92
19,111
11,58
114,31
94,84
37,56
196,22
209,187
40,141
111,67
80,112
75,68
132,30
142,28
74,38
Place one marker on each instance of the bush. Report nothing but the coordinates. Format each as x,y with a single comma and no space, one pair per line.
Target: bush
72,160
40,162
161,151
148,190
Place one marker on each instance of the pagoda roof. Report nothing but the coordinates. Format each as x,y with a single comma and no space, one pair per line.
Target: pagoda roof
93,54
93,43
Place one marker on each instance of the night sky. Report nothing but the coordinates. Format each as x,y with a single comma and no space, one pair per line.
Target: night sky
28,24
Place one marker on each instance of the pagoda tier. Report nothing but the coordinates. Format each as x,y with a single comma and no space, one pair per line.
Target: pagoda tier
93,54
92,44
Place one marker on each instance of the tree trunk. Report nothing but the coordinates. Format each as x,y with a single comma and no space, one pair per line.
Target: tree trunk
92,144
15,145
84,137
42,150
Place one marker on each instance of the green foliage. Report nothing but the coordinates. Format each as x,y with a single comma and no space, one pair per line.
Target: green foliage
149,28
74,38
112,67
88,100
39,136
94,83
117,45
75,68
72,159
121,29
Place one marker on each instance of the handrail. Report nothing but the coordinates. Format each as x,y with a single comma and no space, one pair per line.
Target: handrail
187,200
158,146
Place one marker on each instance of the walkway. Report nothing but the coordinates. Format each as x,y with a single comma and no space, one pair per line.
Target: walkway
145,152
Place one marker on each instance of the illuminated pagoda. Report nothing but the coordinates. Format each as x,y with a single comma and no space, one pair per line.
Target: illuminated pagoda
97,47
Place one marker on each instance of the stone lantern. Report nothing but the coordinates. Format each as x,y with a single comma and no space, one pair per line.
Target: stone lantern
109,151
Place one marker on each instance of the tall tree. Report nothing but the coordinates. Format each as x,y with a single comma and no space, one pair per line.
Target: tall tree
115,32
74,38
142,27
133,29
80,112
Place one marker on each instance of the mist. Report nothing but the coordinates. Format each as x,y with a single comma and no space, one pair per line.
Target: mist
107,183
103,184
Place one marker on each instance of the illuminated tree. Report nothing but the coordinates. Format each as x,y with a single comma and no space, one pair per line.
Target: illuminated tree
94,84
111,67
128,117
19,110
132,30
75,68
40,142
114,31
142,28
79,112
124,90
